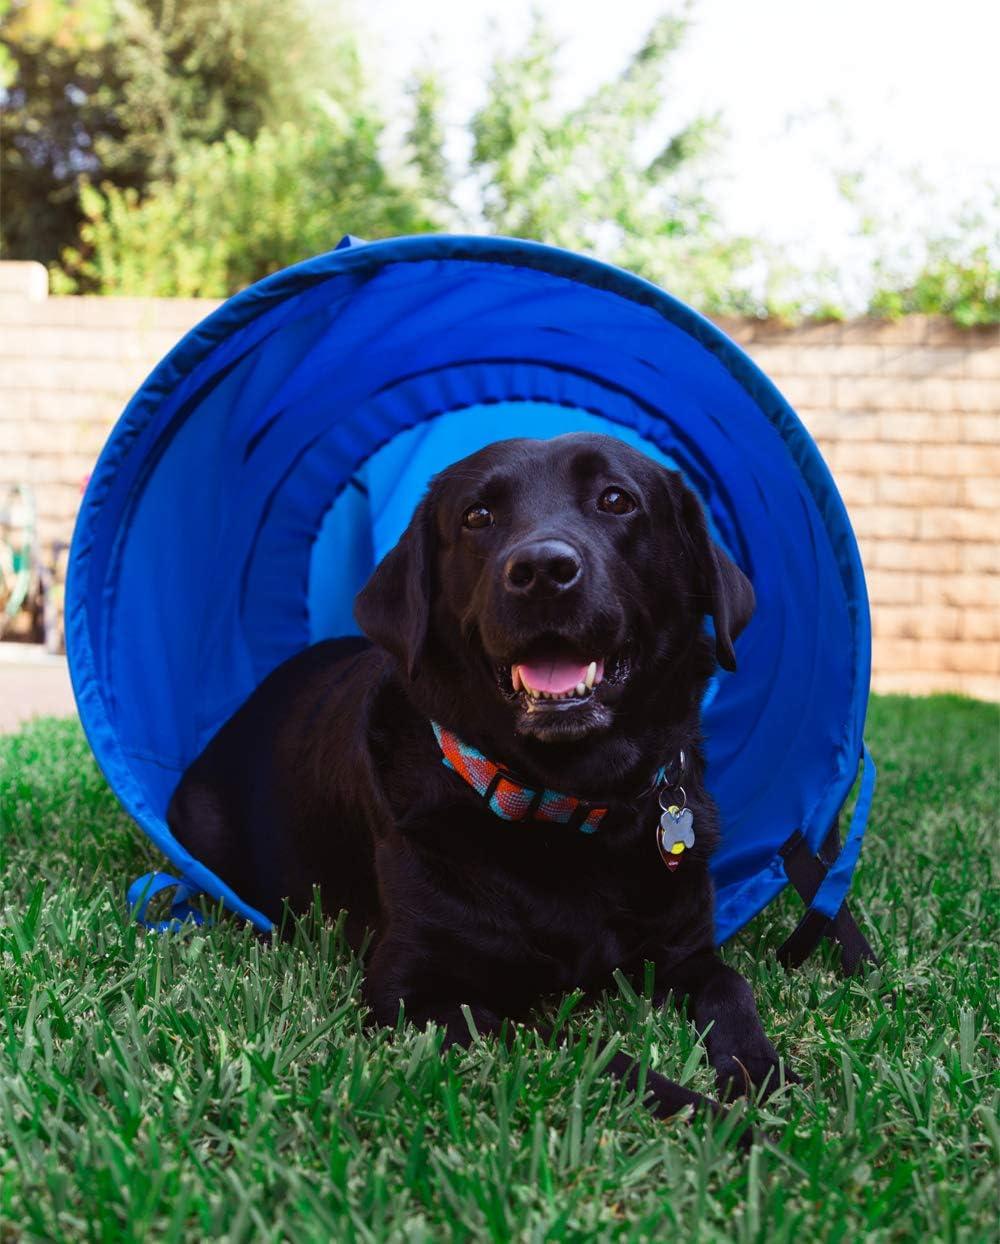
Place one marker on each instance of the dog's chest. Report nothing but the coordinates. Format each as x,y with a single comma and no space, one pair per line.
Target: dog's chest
552,913
607,918
576,937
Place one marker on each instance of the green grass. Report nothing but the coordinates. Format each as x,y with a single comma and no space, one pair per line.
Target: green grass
208,1085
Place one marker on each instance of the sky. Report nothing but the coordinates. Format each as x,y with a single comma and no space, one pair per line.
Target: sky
904,91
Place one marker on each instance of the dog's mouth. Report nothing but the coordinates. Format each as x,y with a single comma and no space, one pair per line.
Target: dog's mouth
554,674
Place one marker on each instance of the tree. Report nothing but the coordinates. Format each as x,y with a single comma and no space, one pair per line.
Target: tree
579,178
426,142
115,91
60,88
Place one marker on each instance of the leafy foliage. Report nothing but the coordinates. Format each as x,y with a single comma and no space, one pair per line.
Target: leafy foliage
211,1084
426,142
61,92
967,290
601,177
215,177
192,147
238,209
928,261
117,91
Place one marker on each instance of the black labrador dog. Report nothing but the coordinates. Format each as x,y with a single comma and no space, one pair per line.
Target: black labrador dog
506,786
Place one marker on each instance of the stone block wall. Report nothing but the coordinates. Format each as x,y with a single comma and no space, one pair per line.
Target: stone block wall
67,368
907,415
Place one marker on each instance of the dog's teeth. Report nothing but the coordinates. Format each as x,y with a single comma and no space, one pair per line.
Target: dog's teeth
591,675
581,688
515,677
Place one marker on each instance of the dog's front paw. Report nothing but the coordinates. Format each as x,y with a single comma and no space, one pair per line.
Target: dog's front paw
754,1071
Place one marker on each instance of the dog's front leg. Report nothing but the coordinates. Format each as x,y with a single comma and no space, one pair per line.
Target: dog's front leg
663,1098
400,974
393,979
722,1006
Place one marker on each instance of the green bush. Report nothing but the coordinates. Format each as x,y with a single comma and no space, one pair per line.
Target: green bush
967,290
238,209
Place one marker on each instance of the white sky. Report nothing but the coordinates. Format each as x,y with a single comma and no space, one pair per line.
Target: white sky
806,88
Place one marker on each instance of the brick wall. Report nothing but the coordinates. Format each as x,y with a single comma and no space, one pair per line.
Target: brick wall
67,368
907,416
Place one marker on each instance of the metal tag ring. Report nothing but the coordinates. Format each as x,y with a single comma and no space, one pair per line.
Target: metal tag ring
673,774
676,795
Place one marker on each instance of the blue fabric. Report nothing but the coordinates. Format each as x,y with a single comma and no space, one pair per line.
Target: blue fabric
277,452
835,885
144,889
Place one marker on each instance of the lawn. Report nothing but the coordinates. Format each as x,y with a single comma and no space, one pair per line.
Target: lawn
207,1085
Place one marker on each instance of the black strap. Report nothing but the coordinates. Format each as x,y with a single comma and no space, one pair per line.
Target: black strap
855,948
806,872
581,812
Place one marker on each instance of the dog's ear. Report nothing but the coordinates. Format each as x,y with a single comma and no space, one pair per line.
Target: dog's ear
724,588
393,608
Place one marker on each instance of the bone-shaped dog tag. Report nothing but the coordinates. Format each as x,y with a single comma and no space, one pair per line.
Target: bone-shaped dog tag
675,834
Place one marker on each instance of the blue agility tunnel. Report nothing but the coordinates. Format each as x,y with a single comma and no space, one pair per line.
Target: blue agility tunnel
278,451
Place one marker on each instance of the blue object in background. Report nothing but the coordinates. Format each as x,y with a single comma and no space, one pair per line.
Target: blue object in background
278,451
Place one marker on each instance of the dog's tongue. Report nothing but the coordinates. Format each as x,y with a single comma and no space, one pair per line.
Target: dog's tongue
555,675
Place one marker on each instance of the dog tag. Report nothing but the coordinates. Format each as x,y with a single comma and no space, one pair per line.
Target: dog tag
675,834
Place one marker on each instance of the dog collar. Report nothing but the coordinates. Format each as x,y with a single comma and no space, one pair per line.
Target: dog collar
514,800
510,798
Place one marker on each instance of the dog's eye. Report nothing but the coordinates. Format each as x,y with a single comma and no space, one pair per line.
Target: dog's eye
616,501
477,516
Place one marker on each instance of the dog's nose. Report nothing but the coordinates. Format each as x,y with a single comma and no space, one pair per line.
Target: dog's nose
542,568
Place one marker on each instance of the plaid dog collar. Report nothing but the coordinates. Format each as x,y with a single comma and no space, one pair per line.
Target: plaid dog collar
510,798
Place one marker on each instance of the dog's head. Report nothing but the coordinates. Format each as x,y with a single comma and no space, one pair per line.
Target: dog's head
553,585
